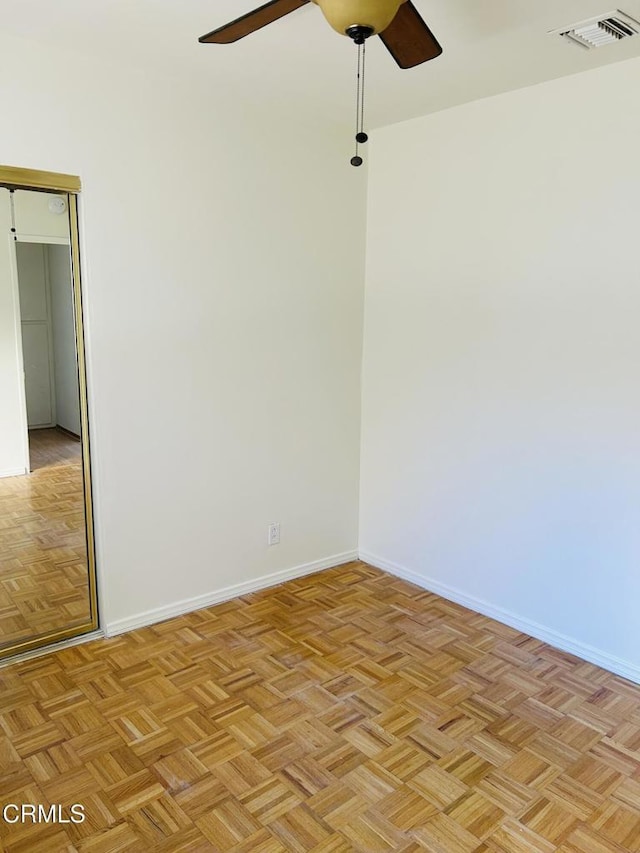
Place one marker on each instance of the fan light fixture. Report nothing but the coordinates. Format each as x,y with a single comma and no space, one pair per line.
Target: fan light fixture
400,26
342,15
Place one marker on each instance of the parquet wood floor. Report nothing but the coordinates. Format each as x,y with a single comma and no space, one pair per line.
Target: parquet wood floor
345,711
43,557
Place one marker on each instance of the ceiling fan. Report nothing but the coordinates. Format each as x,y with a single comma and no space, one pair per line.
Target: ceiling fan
398,23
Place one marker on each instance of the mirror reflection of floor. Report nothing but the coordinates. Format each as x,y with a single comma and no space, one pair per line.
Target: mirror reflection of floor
43,556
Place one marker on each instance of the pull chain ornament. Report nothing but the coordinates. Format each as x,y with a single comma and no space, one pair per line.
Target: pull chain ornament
359,36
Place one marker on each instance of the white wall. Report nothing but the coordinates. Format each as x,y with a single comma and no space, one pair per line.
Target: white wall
501,384
64,338
13,431
223,252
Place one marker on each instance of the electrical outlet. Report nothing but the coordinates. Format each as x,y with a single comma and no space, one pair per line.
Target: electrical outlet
274,533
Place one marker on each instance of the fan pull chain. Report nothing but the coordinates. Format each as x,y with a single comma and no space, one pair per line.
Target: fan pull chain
361,136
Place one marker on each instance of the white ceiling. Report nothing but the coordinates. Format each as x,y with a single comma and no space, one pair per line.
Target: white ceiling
490,46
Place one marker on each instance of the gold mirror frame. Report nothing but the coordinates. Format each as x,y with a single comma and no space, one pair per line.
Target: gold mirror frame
31,179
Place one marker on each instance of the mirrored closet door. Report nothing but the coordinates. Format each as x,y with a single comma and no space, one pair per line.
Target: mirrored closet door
47,562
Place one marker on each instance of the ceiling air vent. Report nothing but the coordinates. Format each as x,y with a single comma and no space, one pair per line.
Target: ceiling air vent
605,29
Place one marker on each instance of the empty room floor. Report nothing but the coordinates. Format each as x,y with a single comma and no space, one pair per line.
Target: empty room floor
347,710
43,563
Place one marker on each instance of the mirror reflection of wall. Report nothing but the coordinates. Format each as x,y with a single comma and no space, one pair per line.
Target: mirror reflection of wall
45,564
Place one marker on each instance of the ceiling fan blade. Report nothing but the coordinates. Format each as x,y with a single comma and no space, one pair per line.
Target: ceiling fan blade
408,39
252,21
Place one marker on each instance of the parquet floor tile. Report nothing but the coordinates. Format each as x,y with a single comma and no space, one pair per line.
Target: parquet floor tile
346,711
43,552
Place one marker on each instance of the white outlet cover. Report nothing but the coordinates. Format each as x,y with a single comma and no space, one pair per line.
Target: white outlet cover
273,537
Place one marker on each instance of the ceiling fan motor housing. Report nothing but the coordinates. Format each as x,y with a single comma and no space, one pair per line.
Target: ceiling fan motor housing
344,15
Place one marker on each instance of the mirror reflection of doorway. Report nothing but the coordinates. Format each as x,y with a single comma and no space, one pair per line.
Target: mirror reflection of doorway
47,572
48,337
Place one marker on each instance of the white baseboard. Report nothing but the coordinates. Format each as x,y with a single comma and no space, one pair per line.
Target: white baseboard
13,472
625,668
187,605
